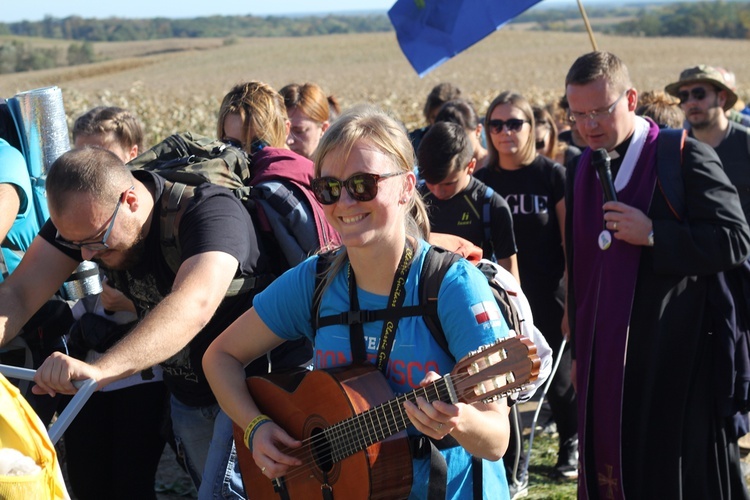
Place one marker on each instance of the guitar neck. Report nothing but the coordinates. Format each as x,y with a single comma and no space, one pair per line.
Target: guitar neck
380,422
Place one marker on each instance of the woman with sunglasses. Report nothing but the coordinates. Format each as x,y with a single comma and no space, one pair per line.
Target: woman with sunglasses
365,181
534,187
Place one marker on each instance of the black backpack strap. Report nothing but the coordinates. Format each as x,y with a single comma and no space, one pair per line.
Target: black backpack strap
436,263
322,264
172,210
669,176
487,218
352,317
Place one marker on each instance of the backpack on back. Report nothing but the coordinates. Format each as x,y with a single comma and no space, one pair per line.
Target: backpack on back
186,161
505,289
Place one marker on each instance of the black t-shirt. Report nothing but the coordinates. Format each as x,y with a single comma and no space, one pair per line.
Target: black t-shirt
214,220
463,215
532,193
734,152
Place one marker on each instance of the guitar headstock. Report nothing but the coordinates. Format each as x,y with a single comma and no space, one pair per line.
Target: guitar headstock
496,370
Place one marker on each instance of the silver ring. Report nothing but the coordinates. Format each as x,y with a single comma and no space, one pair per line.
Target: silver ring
614,226
262,469
440,426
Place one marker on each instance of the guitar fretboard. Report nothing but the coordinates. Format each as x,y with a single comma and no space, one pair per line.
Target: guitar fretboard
380,422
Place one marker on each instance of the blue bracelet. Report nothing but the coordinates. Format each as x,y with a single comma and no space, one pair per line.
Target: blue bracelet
252,433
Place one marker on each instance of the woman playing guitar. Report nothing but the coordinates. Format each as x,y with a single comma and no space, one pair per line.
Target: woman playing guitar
365,180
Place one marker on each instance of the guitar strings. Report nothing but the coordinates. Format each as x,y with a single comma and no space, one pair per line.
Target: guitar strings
344,439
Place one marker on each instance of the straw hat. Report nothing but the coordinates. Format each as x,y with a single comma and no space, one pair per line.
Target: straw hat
703,73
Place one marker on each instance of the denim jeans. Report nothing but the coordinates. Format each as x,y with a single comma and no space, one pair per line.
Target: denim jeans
204,436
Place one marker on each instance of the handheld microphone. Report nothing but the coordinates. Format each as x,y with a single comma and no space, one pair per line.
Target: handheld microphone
600,161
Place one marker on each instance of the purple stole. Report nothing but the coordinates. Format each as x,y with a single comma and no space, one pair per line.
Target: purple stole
604,283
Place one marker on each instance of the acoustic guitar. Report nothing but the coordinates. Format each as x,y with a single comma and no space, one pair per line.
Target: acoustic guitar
352,429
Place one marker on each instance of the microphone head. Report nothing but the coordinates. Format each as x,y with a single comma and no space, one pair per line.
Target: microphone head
600,156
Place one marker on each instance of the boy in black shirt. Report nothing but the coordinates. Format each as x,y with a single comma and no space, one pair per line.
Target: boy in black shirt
459,203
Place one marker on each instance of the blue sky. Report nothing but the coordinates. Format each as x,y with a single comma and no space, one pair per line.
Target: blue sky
34,10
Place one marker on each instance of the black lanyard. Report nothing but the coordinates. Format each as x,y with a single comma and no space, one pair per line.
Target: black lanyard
395,300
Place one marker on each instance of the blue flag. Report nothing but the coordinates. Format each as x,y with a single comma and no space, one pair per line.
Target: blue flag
432,31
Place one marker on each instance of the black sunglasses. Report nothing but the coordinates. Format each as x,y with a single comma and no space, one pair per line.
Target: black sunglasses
697,93
94,246
361,187
514,125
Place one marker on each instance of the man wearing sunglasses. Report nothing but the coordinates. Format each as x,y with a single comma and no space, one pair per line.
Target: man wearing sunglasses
650,423
101,211
706,97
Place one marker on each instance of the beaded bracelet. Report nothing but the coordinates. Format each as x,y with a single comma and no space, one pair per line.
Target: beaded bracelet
252,426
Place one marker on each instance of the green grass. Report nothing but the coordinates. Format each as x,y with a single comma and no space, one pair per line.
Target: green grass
543,458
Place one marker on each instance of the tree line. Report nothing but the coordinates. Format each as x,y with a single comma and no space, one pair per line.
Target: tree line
16,56
721,19
121,30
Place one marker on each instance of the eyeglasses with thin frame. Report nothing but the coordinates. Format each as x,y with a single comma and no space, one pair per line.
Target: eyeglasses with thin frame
513,125
697,93
95,246
598,114
361,187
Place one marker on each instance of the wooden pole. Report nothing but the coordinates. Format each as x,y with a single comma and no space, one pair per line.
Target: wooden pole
587,24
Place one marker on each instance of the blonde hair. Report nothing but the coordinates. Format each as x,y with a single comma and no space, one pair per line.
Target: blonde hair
377,128
110,121
528,150
261,110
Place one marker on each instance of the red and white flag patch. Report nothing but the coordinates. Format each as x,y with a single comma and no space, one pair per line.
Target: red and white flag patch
486,311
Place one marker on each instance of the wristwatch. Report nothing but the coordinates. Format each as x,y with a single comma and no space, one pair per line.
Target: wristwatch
651,238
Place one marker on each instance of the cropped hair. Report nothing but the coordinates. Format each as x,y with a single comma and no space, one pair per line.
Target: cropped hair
92,171
261,110
528,150
308,98
459,111
439,95
600,64
661,107
110,121
444,149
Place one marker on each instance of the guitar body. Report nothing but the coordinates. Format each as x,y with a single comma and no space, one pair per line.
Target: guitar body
309,402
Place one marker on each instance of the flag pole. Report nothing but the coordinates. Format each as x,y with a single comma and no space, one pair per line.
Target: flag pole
587,24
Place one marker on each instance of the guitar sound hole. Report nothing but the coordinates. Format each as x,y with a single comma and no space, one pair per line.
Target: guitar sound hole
321,450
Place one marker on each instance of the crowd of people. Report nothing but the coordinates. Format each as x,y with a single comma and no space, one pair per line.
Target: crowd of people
622,214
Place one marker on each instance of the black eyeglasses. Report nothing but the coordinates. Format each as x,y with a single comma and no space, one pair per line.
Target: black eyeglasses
94,246
513,124
697,93
361,187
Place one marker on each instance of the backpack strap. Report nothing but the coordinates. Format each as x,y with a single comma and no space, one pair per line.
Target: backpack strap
669,178
437,260
486,217
171,214
351,317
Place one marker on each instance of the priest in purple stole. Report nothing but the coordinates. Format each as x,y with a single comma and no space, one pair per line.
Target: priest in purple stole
649,425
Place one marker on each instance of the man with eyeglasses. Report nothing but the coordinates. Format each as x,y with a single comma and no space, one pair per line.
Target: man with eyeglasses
705,97
100,210
649,419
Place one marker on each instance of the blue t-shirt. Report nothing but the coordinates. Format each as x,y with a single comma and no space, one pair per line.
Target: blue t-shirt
463,300
13,171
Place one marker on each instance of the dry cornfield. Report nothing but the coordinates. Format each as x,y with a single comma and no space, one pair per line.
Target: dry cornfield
177,85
